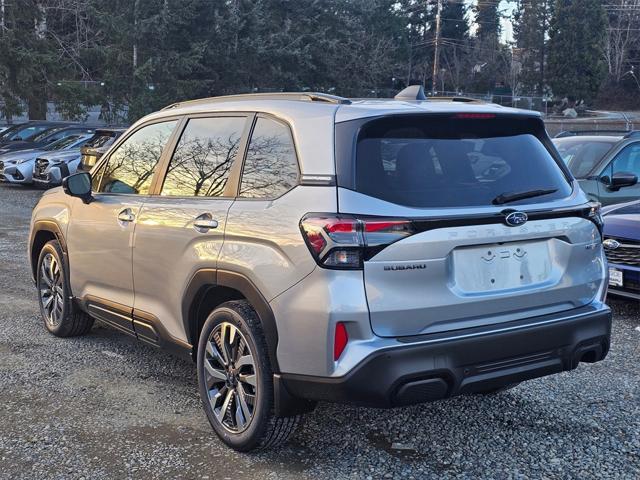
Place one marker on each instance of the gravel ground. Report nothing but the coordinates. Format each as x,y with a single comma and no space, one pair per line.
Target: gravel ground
105,406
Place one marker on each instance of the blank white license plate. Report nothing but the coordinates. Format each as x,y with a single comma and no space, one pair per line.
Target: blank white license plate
615,277
500,267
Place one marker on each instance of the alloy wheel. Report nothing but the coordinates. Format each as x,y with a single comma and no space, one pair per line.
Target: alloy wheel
230,376
51,290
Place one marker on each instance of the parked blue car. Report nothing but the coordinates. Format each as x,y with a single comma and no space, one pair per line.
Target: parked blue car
622,246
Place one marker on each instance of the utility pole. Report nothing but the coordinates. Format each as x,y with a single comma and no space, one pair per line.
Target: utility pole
436,53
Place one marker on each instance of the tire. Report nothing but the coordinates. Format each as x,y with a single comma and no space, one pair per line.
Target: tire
236,383
61,317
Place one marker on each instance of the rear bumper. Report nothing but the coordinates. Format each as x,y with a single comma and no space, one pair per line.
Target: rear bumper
434,367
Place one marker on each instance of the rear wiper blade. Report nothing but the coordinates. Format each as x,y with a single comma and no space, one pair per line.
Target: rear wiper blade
514,196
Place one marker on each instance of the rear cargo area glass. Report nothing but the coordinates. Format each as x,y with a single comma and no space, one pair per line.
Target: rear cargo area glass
436,161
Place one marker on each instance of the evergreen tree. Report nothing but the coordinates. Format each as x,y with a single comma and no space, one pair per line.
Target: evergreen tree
576,48
531,28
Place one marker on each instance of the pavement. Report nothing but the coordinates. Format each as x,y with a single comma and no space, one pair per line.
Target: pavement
106,406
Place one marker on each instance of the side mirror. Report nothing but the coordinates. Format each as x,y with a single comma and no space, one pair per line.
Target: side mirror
620,180
78,185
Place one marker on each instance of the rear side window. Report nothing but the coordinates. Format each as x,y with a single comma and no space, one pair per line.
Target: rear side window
271,168
202,160
426,162
130,167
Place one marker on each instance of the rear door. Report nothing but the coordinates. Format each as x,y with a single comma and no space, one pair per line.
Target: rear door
182,229
452,183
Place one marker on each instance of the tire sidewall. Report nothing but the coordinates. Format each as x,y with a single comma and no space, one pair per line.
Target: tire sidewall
53,247
251,437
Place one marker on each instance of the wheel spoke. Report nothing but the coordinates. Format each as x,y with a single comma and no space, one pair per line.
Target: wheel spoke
212,350
241,416
245,360
242,400
223,409
47,303
214,373
250,379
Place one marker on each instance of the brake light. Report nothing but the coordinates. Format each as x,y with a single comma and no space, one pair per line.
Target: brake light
345,242
475,116
340,340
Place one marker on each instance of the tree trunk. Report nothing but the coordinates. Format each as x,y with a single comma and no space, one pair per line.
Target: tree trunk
38,105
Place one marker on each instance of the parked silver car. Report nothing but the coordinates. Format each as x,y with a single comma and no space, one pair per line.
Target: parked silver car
304,247
17,167
49,169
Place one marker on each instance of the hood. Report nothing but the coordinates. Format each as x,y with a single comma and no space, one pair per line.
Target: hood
623,221
12,157
61,156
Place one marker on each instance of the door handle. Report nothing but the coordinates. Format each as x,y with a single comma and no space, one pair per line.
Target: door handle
126,216
203,223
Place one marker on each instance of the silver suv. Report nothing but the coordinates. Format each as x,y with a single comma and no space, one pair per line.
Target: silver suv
306,247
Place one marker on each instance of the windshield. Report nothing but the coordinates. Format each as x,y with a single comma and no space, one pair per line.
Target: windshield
43,135
581,155
432,161
24,132
62,143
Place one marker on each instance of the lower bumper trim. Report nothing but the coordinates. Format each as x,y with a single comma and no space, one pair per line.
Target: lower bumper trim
416,373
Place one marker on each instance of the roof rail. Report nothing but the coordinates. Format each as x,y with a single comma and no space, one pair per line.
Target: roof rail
297,96
576,133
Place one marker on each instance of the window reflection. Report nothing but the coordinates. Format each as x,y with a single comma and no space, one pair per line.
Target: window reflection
270,168
130,168
202,161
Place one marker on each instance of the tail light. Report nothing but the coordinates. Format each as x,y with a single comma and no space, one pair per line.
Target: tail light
594,213
345,242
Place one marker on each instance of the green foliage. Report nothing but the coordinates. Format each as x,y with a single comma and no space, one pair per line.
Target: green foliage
576,48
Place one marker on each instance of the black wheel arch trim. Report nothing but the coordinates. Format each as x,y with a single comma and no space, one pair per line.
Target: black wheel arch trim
51,227
209,277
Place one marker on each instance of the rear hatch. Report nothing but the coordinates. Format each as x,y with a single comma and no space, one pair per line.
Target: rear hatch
484,228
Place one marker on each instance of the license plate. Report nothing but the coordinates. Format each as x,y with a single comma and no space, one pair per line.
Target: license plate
502,266
615,277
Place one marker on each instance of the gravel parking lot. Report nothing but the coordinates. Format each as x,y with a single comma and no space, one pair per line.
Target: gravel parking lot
105,406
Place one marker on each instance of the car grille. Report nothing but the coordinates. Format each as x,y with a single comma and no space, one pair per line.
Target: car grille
40,168
628,253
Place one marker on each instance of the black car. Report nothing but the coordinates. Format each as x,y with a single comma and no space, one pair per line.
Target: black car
46,137
98,145
26,131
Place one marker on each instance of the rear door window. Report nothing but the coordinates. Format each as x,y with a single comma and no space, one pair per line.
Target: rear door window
427,162
202,161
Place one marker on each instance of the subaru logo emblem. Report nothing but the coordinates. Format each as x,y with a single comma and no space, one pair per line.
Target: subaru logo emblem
515,219
611,244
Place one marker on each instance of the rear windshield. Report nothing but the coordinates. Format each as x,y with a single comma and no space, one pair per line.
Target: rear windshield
580,155
100,140
426,162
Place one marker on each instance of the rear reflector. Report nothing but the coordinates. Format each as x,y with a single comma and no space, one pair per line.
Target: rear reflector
340,340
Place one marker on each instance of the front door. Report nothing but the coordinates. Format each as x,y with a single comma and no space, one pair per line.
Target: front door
626,161
100,238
